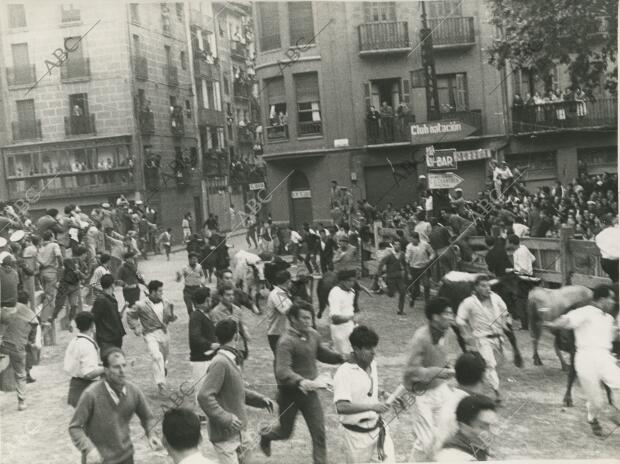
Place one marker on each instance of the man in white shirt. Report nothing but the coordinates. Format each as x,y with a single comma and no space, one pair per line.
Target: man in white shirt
294,246
595,331
341,311
483,317
181,437
422,227
419,255
82,361
278,303
356,396
523,264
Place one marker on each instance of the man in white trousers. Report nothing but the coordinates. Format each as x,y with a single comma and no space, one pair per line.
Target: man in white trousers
595,330
150,318
342,312
429,367
483,317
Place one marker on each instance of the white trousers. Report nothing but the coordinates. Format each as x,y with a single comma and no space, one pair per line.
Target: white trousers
490,349
362,447
158,346
199,372
233,451
594,366
340,337
426,411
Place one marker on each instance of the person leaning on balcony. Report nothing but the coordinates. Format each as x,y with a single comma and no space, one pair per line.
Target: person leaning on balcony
404,115
387,121
373,118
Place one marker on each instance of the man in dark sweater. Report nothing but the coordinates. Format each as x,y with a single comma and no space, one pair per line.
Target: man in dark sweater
100,425
296,374
129,278
395,274
223,397
108,320
202,339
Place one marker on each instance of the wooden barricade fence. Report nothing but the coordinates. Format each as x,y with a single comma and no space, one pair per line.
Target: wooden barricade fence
561,261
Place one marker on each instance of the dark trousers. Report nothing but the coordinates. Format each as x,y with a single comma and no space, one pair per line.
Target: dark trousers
105,346
67,293
129,460
420,276
310,262
292,400
610,266
397,285
273,342
188,294
131,295
523,289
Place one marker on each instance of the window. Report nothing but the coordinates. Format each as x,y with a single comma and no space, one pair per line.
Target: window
308,104
444,9
168,55
183,61
22,72
78,102
188,109
17,15
269,25
226,85
74,44
134,13
215,138
165,19
79,119
277,125
452,92
379,11
68,13
538,165
179,8
301,24
26,120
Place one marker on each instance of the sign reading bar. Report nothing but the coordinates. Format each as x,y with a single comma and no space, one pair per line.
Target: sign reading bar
441,160
472,155
440,131
446,180
257,186
296,194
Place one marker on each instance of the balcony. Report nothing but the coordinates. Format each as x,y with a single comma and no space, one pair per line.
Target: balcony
171,74
241,90
75,69
141,67
244,135
147,122
309,129
389,130
238,51
383,38
80,125
203,69
565,115
21,75
452,33
26,130
209,117
198,18
279,132
602,31
72,184
176,121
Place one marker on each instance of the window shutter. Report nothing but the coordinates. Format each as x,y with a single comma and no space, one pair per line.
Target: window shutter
301,24
275,91
306,88
366,86
269,25
406,91
461,92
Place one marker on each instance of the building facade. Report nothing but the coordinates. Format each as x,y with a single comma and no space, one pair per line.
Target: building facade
321,66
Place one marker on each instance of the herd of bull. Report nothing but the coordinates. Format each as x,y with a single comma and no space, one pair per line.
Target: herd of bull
252,273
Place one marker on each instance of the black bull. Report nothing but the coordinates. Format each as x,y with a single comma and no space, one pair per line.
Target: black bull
506,287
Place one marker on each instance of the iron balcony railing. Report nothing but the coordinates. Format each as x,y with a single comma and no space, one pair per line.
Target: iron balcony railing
21,75
309,128
565,114
277,132
389,129
78,125
75,68
26,130
449,32
470,117
386,36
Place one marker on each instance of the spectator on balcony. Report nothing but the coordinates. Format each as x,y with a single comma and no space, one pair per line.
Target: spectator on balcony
387,121
373,117
517,101
404,115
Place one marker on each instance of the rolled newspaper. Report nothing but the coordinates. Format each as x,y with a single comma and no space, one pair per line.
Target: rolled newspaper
399,391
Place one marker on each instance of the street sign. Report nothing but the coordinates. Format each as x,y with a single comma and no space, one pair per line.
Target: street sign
257,186
447,180
301,194
441,160
428,133
473,155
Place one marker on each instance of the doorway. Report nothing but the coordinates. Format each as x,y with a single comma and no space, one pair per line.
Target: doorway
300,197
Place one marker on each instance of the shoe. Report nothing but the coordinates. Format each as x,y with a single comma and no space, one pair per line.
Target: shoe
596,428
400,313
21,405
30,379
265,445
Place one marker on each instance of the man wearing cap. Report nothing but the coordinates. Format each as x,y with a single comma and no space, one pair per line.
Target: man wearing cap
128,277
194,278
342,312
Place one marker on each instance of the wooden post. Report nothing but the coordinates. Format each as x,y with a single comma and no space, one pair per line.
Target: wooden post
566,259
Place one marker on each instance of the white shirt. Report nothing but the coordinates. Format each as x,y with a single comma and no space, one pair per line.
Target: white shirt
341,302
113,394
81,357
158,308
594,328
447,426
608,242
196,458
523,260
482,320
295,237
352,383
520,230
428,204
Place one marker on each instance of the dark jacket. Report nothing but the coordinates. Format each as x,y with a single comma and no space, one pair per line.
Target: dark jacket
327,254
201,336
395,267
497,260
107,320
